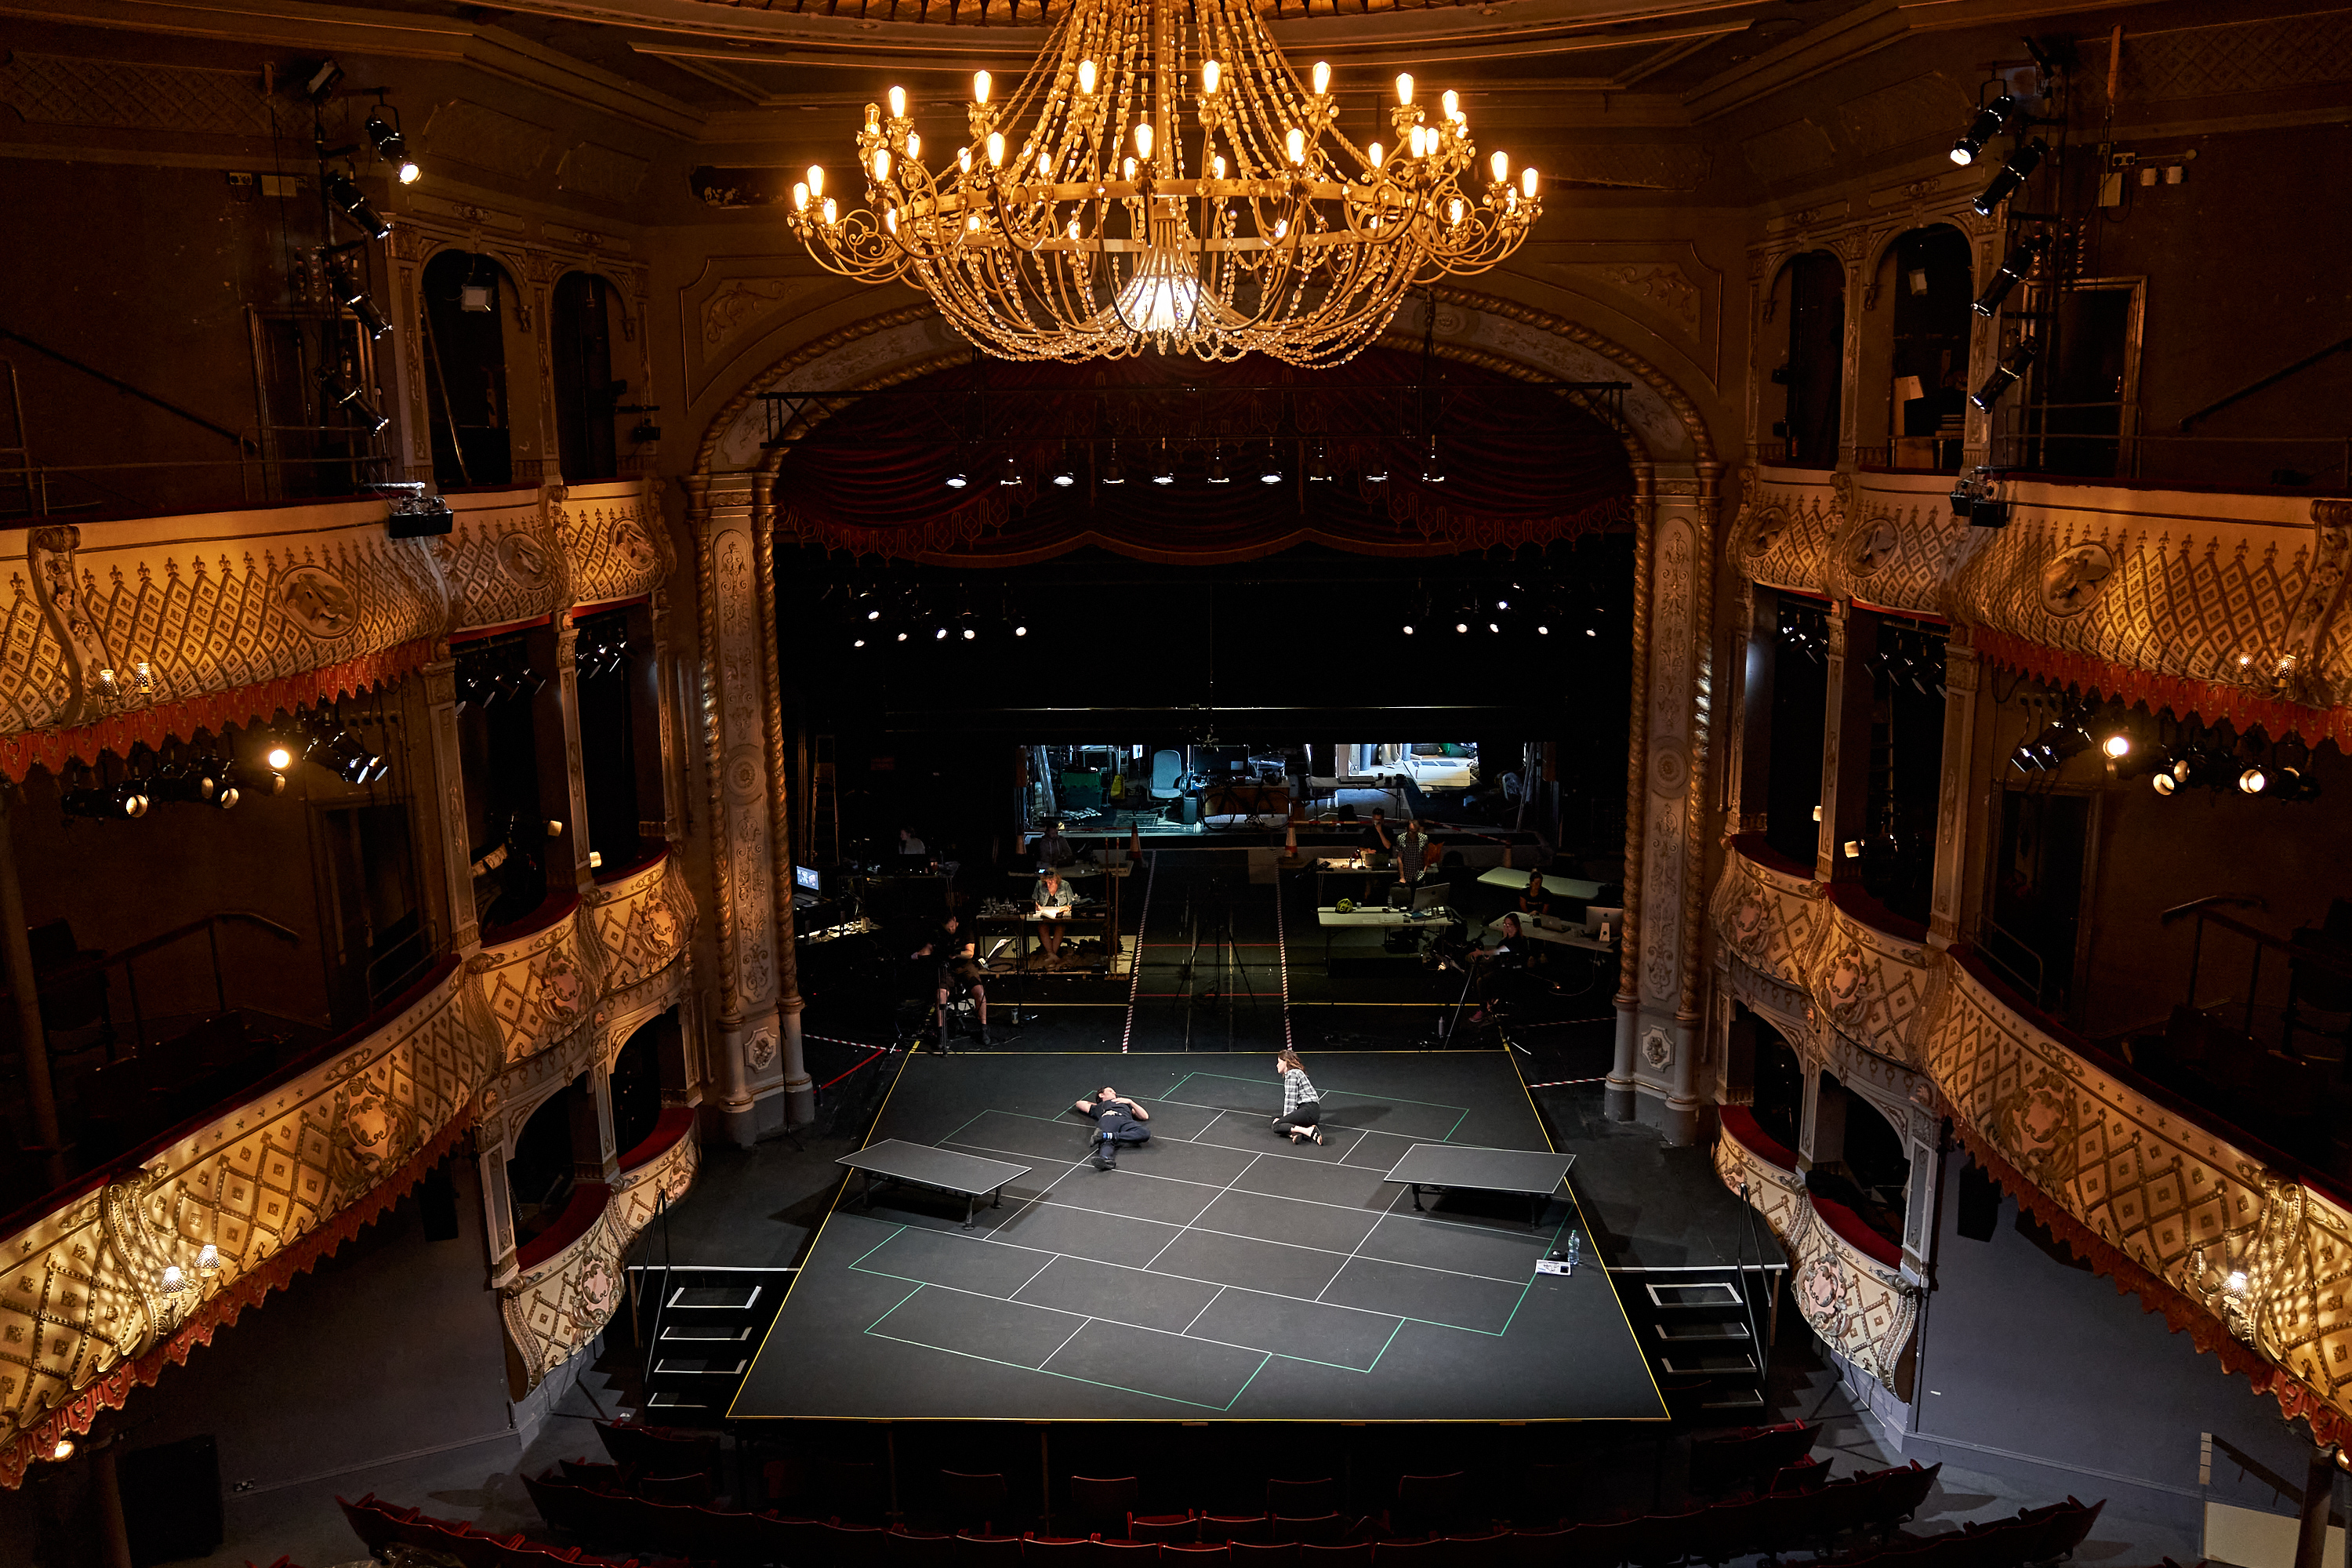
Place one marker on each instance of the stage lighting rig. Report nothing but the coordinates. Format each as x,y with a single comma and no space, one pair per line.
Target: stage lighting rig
2005,375
352,203
1269,471
352,400
1113,471
2016,172
352,297
391,146
1217,475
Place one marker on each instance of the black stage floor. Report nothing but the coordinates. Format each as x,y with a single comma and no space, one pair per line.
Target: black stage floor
1219,1273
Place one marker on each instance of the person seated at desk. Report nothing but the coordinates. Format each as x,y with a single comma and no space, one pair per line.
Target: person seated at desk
960,974
911,849
1537,899
1052,895
1498,965
1053,850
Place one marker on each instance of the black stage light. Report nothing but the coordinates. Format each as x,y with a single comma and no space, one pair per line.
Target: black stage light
2294,783
1063,475
1432,468
391,147
345,194
2005,375
1375,469
1010,473
354,298
347,397
2013,173
1217,475
2013,268
1269,472
1991,121
1318,466
319,80
1112,473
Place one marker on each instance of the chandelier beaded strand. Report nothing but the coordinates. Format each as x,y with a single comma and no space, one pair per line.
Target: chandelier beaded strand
1085,220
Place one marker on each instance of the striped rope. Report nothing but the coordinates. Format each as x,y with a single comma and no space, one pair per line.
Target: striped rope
1135,965
1282,966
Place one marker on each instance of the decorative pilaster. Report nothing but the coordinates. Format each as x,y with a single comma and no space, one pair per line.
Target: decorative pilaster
575,781
1620,1093
457,856
1845,741
1750,760
1689,1040
800,1090
1961,667
497,1210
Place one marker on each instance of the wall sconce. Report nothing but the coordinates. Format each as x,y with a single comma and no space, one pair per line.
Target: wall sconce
1854,848
1817,813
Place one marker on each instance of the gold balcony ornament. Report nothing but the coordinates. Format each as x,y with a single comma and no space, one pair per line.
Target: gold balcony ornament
1162,178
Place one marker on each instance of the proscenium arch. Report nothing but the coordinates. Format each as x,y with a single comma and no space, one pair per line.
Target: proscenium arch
1664,394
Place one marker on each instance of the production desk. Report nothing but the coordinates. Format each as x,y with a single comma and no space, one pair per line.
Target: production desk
965,1176
1444,1167
1575,937
1328,867
1102,915
1558,887
1331,919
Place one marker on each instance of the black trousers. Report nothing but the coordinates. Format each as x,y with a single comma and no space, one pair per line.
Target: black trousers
1308,1114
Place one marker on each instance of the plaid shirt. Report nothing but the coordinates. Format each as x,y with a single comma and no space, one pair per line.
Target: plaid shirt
1295,1089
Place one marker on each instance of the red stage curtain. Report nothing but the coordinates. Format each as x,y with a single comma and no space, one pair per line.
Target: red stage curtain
1521,465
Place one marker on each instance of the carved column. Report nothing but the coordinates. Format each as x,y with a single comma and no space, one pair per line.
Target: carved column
498,1204
1750,760
1658,1017
1845,740
575,781
1961,671
739,827
596,1158
800,1090
1620,1093
456,858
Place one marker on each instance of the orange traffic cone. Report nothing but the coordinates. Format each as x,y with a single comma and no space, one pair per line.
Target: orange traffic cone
1134,839
1290,839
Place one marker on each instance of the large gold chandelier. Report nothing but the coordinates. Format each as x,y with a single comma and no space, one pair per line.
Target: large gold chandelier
1081,221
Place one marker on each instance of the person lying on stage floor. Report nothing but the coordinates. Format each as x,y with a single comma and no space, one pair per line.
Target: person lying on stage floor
1052,894
1302,1106
960,974
1498,967
1118,1120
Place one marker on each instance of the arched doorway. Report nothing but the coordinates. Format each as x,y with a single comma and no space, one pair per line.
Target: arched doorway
1809,295
470,313
1917,350
541,1167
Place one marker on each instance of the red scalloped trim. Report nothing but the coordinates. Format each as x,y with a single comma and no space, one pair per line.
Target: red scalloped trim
111,1390
52,749
2183,1315
2210,701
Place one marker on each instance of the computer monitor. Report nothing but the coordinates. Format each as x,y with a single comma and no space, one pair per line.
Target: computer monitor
1428,898
804,878
1595,914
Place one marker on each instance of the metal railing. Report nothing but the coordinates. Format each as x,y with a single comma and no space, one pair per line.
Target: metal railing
210,925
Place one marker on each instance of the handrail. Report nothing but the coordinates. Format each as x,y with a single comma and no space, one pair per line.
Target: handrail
123,386
2241,899
209,924
2269,381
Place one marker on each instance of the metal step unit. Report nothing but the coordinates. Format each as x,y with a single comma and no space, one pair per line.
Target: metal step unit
700,1326
1705,1330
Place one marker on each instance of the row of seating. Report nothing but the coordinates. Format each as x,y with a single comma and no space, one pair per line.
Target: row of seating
1805,1516
2035,1535
383,1525
1719,1461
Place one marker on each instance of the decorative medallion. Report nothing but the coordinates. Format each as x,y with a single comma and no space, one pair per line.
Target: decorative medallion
1874,544
522,558
1770,522
317,601
1657,1049
1847,988
1751,924
2033,1121
635,547
2075,577
1669,769
761,1050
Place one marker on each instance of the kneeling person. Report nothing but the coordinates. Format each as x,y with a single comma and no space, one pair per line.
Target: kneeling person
1118,1120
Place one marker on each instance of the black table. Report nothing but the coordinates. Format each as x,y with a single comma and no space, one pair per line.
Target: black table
1441,1167
967,1176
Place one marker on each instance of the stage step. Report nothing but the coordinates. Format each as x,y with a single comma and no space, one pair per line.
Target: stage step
1741,1365
713,1299
1701,1332
701,1367
703,1333
699,1325
1709,1293
1734,1400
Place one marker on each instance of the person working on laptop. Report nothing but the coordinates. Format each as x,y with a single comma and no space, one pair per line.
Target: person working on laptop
1118,1120
1052,896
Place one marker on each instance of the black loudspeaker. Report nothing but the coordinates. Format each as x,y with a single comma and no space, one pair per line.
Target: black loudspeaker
171,1501
1979,1203
1318,760
437,1202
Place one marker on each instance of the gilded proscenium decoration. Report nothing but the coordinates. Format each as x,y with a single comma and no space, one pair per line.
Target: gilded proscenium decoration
554,1309
539,987
1163,178
1861,1308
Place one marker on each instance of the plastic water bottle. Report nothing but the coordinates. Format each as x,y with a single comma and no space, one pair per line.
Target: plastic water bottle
1575,1248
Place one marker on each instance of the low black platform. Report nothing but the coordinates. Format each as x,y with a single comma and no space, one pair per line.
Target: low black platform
1219,1273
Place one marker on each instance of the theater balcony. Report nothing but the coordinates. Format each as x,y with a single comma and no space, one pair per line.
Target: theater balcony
361,968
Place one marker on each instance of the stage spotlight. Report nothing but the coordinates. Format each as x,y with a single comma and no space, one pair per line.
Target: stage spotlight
2005,375
1375,469
1463,626
1269,472
1217,475
130,799
859,643
1163,472
958,481
1492,627
347,195
355,299
2013,173
2163,783
321,82
278,756
2294,784
1543,631
1991,121
391,147
940,635
1112,473
1408,628
2254,779
902,637
873,615
353,401
1064,476
1021,631
1010,475
2118,746
1591,633
2013,268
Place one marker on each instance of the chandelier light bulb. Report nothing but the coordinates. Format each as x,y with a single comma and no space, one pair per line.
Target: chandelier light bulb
980,83
1404,89
1143,139
799,196
872,118
996,146
1045,165
208,1256
1322,78
897,103
173,1278
1501,164
1527,182
890,219
830,217
1217,165
1282,229
1373,153
1453,210
914,145
1086,77
1210,72
816,179
1294,143
972,223
1074,228
881,164
1419,141
1126,170
1452,102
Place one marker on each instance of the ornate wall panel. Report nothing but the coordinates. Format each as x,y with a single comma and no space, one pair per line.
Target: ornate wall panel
554,1309
539,988
1770,921
640,922
504,562
1900,542
1781,536
1875,989
613,540
1861,1308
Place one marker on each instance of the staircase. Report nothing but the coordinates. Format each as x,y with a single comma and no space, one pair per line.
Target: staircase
1701,1333
703,1326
